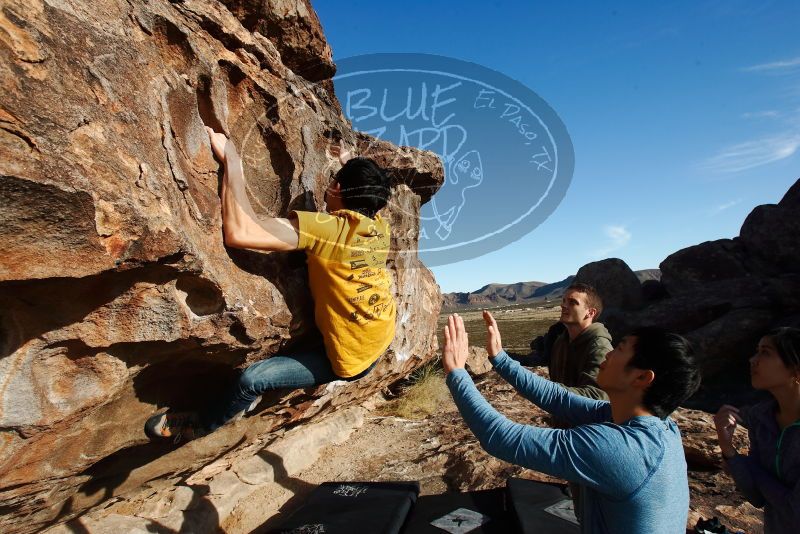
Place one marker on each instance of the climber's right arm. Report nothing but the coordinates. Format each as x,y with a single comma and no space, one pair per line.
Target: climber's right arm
241,227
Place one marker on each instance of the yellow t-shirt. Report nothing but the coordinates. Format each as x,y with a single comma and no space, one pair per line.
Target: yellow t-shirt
353,303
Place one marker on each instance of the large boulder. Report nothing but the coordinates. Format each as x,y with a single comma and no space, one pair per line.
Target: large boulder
726,343
767,246
791,199
725,294
771,234
691,268
616,283
712,316
117,294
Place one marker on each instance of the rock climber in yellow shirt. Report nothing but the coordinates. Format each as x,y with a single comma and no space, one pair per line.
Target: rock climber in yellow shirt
347,248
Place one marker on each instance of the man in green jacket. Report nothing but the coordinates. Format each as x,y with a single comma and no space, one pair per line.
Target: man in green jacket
578,352
575,357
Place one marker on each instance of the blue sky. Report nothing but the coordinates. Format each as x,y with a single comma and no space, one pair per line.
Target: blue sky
683,115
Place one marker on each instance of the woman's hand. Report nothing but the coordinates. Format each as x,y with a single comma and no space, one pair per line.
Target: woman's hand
493,342
725,422
456,344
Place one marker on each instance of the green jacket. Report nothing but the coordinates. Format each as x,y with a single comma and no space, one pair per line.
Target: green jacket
575,363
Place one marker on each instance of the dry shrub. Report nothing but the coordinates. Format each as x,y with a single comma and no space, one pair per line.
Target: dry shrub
422,395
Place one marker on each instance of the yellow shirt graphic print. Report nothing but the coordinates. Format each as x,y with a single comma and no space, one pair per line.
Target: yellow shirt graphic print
353,303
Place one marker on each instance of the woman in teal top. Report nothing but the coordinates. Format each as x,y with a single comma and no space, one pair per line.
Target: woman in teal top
769,475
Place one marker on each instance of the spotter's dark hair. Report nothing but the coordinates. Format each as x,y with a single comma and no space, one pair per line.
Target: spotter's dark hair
673,361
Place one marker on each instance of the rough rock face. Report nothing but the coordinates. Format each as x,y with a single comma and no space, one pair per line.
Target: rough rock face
117,295
725,294
294,29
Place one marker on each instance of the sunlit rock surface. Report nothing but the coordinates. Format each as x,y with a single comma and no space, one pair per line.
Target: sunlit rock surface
117,295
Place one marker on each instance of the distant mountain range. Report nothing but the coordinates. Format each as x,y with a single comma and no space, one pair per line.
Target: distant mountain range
521,292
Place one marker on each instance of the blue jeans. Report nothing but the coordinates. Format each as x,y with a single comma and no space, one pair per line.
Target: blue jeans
302,369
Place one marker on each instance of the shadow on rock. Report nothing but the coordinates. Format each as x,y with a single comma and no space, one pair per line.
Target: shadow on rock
299,488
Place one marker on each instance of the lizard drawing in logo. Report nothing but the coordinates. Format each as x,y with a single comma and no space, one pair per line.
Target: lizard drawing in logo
465,172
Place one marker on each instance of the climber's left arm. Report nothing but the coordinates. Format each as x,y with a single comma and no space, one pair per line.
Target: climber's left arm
241,227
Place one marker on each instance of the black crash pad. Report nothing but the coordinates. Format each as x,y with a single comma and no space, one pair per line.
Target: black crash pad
528,502
353,507
491,503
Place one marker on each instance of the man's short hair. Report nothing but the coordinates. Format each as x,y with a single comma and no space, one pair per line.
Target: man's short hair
364,186
593,299
673,361
787,343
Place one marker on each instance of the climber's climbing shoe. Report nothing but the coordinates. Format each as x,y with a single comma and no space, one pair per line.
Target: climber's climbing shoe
179,426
